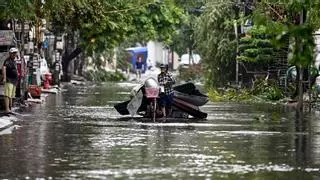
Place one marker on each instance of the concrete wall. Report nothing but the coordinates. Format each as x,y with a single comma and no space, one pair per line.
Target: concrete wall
317,41
157,53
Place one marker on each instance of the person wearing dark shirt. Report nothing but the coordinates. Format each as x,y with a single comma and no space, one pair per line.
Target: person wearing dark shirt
166,80
10,78
139,65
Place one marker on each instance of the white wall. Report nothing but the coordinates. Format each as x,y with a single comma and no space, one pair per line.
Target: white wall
317,41
155,52
158,54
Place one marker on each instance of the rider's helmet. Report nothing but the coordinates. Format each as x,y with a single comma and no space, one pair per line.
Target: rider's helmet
164,66
13,50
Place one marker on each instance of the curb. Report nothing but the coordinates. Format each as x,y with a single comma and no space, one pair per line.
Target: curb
4,126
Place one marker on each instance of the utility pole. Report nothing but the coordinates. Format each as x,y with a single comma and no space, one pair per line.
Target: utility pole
300,85
237,52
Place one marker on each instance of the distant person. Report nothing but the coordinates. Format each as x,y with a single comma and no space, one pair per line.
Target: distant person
139,66
166,80
10,78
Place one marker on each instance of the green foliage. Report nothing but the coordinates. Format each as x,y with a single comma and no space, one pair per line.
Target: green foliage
102,24
184,40
215,40
229,95
273,93
267,90
158,21
245,59
282,18
257,47
263,91
249,43
193,72
251,53
104,76
263,43
122,59
21,10
297,20
246,40
258,31
243,47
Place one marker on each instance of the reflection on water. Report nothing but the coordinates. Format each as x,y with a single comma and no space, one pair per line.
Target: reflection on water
77,135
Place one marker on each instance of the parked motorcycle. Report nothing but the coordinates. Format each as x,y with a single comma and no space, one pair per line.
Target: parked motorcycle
152,88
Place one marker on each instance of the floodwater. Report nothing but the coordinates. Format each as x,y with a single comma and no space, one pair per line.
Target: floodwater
78,135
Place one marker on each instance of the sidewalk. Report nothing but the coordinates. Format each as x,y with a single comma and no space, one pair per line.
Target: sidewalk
7,121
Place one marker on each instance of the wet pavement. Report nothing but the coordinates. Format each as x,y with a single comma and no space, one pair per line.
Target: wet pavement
78,135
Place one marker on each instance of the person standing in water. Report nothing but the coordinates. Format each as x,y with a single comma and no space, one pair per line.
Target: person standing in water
10,78
139,66
166,80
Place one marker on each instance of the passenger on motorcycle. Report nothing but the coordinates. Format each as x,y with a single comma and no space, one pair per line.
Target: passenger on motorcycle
166,80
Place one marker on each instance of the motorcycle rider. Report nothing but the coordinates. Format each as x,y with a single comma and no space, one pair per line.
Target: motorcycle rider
166,80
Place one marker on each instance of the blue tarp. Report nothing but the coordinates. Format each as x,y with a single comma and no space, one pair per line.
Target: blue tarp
138,52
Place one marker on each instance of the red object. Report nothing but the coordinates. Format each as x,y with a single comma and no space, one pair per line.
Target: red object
35,91
152,92
46,84
47,80
48,76
19,68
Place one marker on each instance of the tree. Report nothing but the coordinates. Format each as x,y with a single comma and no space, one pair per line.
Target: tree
158,21
100,24
298,20
215,39
256,48
103,25
184,40
21,10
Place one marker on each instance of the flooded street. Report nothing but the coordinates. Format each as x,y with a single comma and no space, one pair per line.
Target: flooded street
78,135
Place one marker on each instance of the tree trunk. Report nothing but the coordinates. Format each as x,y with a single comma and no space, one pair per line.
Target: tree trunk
190,57
81,64
66,62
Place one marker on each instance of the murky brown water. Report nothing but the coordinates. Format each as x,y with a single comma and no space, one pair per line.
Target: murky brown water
77,135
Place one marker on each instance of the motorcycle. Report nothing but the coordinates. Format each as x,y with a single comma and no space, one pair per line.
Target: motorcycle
145,101
152,89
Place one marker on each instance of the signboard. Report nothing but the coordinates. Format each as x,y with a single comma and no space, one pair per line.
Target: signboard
6,38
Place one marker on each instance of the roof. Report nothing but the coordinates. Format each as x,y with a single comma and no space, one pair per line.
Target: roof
138,49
